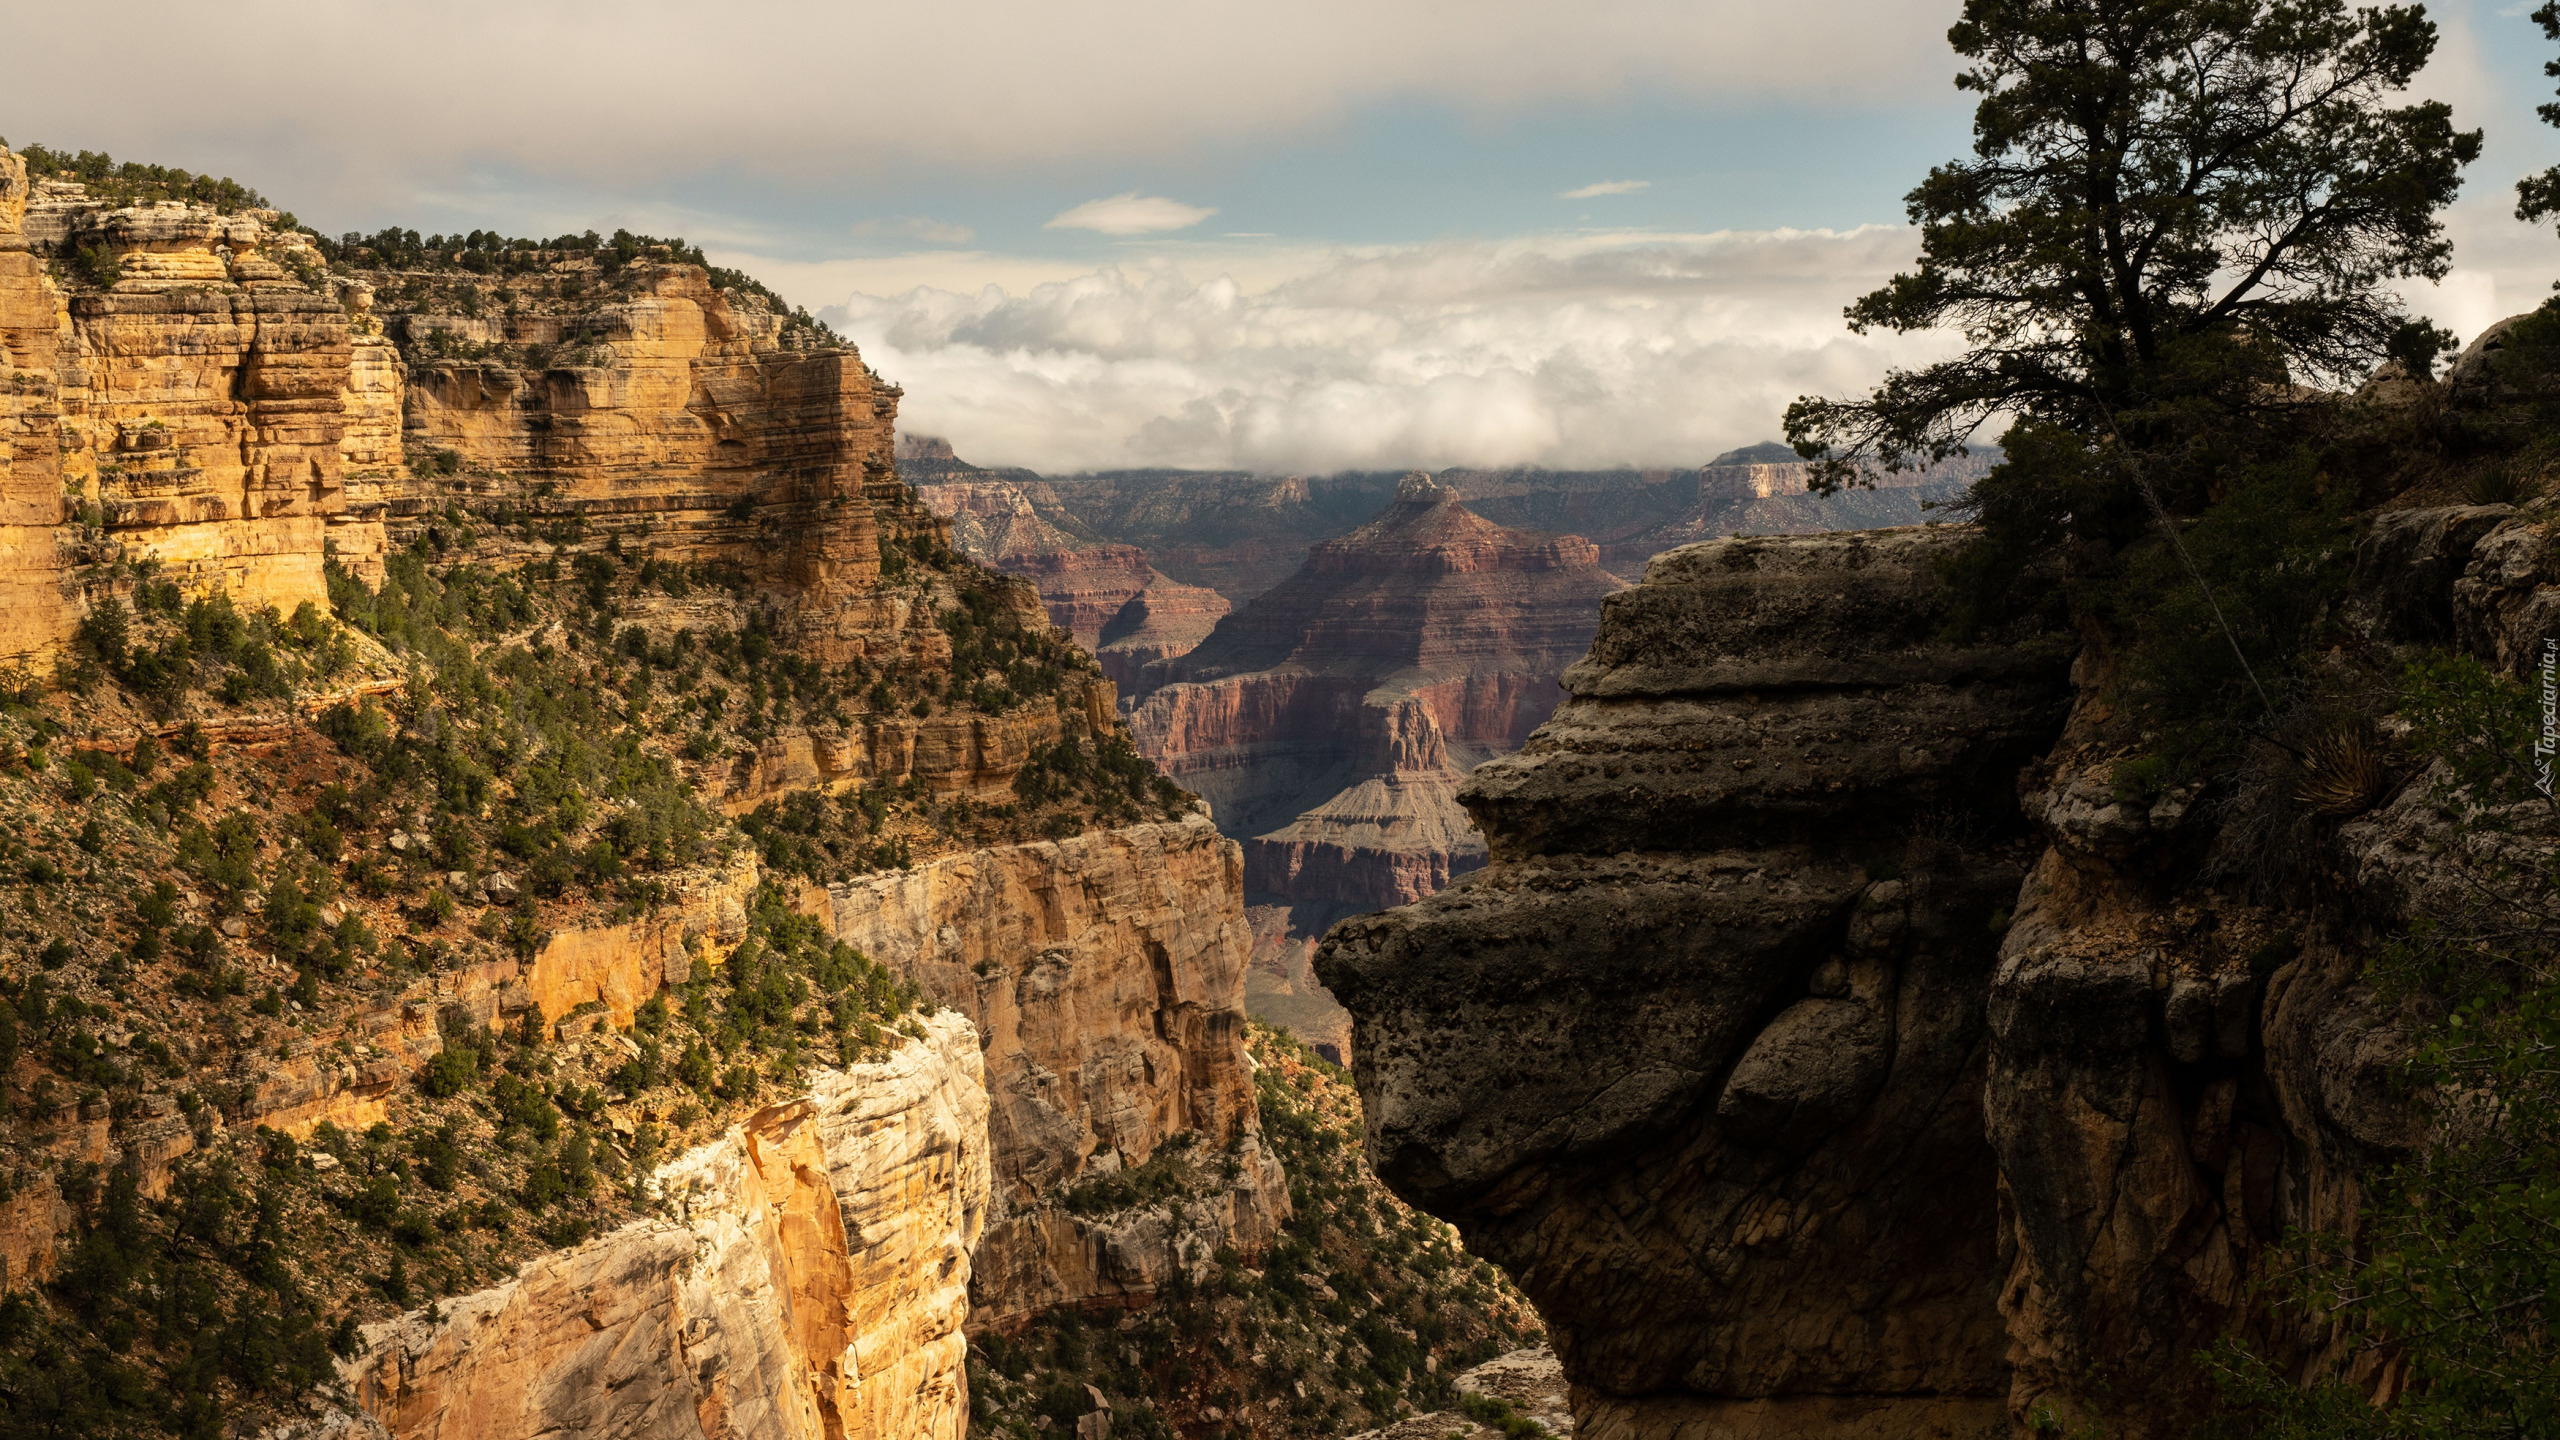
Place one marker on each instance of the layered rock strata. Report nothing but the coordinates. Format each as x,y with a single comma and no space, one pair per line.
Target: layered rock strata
811,1282
1700,1059
1165,621
1106,595
1106,975
2004,1143
1330,722
190,413
2186,1069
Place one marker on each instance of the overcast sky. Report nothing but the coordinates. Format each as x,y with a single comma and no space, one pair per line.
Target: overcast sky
1312,236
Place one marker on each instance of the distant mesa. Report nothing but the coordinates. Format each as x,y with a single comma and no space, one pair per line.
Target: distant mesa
1330,721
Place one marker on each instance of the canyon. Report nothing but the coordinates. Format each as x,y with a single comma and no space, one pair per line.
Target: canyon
654,906
1345,804
1330,721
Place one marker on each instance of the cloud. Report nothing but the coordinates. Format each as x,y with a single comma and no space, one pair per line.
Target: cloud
1130,213
1606,187
915,227
1559,350
624,93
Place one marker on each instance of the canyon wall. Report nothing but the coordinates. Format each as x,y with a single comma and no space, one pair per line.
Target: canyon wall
811,1281
1106,975
189,412
1400,653
1106,595
197,390
1814,1086
1700,1059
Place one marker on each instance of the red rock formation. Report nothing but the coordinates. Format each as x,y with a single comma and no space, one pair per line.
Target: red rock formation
1084,589
1330,721
1106,595
1165,621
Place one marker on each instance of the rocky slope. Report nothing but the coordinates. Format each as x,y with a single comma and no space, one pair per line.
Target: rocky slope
489,645
811,1281
1106,973
1361,1312
1705,1057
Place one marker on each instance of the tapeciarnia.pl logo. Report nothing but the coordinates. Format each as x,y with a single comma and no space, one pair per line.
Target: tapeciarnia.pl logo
2548,741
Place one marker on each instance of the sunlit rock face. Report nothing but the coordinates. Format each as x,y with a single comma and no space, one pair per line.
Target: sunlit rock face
1106,975
811,1281
192,408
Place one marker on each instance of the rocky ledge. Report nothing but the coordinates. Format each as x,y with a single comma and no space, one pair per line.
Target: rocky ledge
1700,1058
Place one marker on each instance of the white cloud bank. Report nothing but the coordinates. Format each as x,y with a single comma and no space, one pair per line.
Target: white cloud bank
1569,351
1131,213
1606,187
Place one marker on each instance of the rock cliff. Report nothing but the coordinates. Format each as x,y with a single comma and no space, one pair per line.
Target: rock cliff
182,401
1106,973
1701,1058
811,1281
1811,1085
621,630
1107,596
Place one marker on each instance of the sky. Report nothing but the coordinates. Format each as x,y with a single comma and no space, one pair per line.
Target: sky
1138,232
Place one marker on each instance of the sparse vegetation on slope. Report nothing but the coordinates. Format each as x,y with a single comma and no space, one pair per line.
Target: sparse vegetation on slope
214,909
1363,1312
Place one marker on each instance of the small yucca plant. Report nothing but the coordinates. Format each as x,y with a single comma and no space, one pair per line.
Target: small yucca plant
2342,770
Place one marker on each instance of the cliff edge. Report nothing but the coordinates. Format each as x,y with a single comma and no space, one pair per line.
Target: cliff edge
1700,1058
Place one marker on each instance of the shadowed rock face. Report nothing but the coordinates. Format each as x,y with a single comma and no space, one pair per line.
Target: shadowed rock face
1700,1058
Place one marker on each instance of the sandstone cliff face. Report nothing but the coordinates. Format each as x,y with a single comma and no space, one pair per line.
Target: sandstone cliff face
811,1283
192,412
1701,1058
1106,975
689,417
1782,1147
